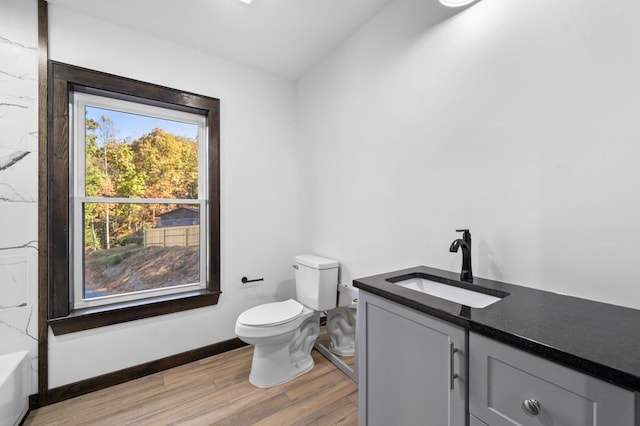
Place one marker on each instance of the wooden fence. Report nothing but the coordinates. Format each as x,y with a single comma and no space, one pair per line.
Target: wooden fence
172,236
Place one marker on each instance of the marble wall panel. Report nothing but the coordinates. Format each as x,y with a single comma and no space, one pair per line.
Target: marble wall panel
19,179
18,22
18,121
14,271
19,227
18,314
18,69
18,182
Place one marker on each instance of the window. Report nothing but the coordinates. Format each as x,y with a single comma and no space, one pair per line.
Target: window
134,190
134,165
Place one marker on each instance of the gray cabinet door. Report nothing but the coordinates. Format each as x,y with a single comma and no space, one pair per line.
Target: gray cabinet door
405,366
511,387
474,421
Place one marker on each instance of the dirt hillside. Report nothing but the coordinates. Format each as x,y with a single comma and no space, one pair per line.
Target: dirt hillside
134,268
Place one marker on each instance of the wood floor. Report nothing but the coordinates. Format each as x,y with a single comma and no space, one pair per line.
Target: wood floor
213,391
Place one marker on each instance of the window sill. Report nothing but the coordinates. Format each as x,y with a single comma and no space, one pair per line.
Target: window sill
86,319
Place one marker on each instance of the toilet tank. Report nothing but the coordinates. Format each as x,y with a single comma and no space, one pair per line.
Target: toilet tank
316,281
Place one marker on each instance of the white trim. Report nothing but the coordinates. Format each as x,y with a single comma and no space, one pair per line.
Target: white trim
117,200
77,194
84,99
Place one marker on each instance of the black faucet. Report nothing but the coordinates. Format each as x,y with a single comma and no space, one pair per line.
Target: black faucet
465,243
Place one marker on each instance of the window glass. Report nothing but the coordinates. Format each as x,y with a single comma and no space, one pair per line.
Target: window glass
138,201
136,156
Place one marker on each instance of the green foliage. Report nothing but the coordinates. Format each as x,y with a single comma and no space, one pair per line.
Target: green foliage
157,165
114,256
169,164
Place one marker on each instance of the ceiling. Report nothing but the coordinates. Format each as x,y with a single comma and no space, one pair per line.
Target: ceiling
285,37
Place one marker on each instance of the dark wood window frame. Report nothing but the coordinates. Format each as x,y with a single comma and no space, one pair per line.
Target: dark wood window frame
63,80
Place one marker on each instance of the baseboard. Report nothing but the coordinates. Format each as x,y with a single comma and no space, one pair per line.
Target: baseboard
114,378
34,402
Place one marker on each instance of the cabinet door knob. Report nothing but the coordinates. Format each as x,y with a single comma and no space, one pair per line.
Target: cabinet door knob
531,406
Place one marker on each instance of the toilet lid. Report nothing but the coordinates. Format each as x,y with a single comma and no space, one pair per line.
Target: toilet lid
275,313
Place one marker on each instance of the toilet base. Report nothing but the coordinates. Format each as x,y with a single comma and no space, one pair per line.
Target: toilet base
266,373
278,363
341,327
349,350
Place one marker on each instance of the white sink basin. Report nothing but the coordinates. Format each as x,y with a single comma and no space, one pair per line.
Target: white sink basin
455,294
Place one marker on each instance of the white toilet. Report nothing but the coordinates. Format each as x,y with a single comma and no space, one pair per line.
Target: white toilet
341,322
284,332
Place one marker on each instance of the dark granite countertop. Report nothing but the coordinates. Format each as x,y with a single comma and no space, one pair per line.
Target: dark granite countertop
595,338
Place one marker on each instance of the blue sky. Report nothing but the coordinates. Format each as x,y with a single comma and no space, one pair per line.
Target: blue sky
133,126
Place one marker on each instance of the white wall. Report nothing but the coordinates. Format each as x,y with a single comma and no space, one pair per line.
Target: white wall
19,179
515,118
258,194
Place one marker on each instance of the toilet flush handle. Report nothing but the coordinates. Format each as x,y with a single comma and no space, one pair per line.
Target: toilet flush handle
295,266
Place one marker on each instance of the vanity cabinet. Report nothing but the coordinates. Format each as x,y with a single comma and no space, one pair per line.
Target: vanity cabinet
474,421
411,366
510,387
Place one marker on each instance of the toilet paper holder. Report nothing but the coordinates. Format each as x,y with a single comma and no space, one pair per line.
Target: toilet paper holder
247,280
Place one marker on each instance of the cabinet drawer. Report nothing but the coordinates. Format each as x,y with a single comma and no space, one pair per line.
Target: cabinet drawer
502,378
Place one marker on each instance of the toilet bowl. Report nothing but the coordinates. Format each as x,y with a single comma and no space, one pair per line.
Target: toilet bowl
283,333
341,323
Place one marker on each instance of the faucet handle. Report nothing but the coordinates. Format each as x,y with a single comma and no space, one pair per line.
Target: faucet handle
466,235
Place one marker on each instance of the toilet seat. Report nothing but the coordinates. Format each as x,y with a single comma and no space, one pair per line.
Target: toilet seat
271,314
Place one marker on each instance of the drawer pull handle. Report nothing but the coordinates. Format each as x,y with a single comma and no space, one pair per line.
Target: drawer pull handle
531,406
453,376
